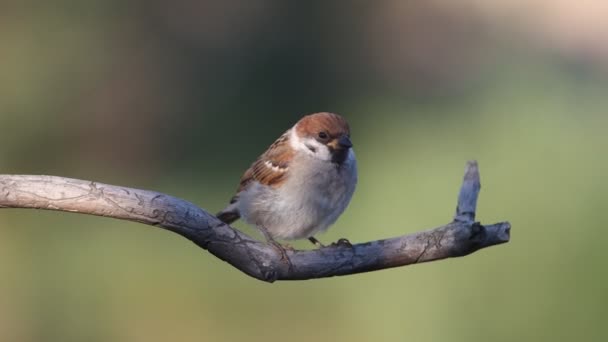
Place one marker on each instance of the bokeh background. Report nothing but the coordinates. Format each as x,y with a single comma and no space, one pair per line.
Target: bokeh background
180,96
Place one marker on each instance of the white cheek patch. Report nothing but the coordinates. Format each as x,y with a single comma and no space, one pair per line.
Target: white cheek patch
309,146
320,151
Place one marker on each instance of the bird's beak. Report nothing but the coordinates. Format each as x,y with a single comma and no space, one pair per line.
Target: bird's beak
344,142
341,143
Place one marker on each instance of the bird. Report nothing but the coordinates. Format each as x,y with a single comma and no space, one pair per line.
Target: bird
301,184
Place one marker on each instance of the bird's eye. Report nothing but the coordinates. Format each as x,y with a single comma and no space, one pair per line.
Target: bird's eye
323,135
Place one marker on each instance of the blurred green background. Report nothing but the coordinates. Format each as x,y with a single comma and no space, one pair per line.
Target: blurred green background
180,96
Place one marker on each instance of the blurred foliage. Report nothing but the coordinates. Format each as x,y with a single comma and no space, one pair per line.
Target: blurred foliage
181,96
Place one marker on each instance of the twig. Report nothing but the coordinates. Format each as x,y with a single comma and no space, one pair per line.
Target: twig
257,259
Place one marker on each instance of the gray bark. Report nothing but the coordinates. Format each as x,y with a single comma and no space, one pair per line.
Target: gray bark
260,260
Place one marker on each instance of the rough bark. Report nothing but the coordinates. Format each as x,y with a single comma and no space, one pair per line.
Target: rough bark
260,260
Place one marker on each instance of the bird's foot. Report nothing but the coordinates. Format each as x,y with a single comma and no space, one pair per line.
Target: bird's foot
342,243
316,242
280,248
287,247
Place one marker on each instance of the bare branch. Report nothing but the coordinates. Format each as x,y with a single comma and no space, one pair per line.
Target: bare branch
257,259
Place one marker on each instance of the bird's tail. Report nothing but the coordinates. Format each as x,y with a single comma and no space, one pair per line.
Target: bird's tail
230,213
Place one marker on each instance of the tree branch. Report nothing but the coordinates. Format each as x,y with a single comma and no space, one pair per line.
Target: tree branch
257,259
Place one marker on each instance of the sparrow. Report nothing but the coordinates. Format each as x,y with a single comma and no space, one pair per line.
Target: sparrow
301,184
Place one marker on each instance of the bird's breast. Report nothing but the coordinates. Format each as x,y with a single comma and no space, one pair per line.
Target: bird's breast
322,186
311,199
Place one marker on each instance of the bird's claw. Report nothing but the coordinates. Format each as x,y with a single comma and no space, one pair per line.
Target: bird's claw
288,247
342,243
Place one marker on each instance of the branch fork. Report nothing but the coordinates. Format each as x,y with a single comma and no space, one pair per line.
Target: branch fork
260,260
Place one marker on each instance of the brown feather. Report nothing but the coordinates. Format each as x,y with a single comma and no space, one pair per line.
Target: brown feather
333,124
271,167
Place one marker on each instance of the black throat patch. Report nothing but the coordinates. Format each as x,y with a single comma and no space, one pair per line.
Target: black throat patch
338,156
